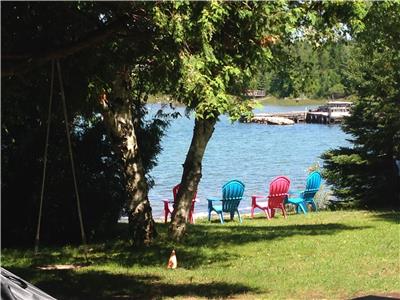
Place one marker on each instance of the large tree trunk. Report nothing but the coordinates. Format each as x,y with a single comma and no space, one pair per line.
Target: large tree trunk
203,130
119,120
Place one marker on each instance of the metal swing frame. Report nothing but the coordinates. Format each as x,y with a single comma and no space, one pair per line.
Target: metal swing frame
67,132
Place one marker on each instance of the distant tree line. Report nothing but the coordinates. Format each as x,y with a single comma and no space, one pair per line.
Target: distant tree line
309,71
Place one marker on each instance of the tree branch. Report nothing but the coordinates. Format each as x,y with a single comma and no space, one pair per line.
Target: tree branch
34,60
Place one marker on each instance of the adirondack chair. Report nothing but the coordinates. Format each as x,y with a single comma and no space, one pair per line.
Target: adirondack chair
169,205
278,193
307,196
232,194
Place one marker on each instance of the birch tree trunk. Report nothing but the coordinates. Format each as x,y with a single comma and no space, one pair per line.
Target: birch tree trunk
203,130
119,120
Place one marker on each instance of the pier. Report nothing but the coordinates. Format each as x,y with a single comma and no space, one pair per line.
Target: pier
293,117
332,113
323,118
281,118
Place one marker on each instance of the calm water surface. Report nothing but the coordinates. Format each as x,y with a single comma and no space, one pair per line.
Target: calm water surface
252,153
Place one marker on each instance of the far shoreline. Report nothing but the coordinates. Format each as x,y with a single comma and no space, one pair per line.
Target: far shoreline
268,100
271,100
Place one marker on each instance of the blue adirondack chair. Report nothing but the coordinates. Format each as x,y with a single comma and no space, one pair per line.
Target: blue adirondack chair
232,194
307,196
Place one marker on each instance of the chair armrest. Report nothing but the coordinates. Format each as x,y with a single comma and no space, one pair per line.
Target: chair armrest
259,196
214,199
167,201
295,192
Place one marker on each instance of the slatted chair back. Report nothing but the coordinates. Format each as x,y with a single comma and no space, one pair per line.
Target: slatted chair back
232,194
278,191
312,185
176,189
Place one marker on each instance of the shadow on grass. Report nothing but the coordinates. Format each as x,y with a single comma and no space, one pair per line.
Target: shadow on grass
389,216
66,284
206,244
214,236
375,297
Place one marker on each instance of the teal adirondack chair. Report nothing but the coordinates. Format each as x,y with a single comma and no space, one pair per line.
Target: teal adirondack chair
307,196
232,194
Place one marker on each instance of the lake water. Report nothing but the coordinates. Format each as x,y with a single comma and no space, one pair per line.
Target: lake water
252,153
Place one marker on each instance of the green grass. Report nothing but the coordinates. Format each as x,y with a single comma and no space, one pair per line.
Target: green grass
325,255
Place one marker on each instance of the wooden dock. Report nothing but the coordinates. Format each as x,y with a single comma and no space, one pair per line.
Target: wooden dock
322,118
279,118
272,120
284,118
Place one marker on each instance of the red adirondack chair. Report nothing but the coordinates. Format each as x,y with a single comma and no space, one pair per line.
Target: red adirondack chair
169,205
278,192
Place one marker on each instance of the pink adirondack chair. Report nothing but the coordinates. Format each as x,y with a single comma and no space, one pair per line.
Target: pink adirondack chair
169,205
278,192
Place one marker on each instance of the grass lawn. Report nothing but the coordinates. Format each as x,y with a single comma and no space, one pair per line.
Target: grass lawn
325,255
